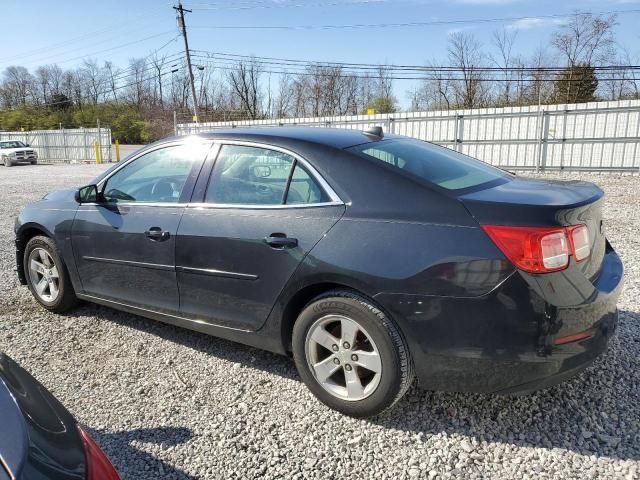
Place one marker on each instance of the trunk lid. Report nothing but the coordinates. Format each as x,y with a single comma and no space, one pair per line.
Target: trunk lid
539,202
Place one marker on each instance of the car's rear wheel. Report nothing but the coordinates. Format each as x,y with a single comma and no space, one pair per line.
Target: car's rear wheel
47,276
350,354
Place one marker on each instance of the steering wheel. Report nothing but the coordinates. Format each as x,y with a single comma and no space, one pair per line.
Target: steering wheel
162,190
116,194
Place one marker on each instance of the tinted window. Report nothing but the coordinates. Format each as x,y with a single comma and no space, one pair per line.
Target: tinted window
442,166
304,188
158,176
259,176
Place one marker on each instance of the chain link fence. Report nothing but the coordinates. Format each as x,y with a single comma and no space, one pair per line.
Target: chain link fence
596,136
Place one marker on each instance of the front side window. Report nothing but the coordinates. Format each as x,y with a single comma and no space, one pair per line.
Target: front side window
244,175
156,177
439,165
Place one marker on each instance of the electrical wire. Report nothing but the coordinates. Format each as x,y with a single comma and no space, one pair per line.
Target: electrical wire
48,48
389,67
312,71
411,24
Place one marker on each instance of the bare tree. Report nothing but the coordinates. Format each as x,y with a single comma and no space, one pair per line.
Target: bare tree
138,81
158,62
503,40
585,41
437,91
18,85
93,78
284,97
465,54
42,84
111,73
244,81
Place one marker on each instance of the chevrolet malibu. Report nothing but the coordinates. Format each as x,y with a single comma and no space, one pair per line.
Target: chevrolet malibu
371,259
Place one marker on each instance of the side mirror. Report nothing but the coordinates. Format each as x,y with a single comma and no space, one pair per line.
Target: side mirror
87,194
27,145
261,171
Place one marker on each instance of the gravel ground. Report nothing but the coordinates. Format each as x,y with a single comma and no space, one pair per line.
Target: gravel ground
169,403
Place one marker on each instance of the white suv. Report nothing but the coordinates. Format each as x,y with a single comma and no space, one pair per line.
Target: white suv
14,151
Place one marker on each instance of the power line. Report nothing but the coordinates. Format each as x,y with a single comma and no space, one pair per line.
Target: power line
104,50
48,48
390,67
474,76
410,24
271,5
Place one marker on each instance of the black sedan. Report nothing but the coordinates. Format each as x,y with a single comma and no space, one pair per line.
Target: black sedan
371,259
39,439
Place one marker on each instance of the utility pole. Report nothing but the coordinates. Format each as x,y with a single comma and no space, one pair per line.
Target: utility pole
183,27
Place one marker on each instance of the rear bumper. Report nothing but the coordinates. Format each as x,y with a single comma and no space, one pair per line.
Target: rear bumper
504,342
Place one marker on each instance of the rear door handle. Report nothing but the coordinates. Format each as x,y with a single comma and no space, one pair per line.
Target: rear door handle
156,234
280,240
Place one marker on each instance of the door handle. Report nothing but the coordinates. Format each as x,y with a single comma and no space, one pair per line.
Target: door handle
281,241
156,234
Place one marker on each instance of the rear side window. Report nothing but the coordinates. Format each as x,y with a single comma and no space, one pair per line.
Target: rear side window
244,175
439,165
303,188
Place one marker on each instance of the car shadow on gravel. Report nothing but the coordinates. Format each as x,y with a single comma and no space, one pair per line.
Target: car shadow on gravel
596,413
136,463
210,345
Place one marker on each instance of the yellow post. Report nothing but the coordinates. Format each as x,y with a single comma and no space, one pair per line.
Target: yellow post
117,151
96,148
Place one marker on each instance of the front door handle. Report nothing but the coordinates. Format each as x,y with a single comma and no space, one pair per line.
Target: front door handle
156,234
280,240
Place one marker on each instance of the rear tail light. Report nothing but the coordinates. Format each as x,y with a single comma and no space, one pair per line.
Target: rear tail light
580,242
540,249
98,465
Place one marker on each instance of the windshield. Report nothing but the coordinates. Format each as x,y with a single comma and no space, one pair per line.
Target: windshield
12,144
439,165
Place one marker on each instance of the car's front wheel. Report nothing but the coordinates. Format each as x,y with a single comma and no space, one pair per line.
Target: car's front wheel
350,354
7,162
47,275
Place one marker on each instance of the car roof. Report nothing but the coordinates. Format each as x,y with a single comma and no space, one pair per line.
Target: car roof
332,137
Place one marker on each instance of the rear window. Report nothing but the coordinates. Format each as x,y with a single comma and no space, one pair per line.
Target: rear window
439,165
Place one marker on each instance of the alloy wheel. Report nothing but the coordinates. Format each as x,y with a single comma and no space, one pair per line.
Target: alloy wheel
343,357
43,274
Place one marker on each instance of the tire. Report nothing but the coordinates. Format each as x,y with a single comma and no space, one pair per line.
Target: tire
7,162
34,162
49,270
339,313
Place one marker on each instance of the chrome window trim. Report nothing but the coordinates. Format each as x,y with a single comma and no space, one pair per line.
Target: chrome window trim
245,206
333,196
135,204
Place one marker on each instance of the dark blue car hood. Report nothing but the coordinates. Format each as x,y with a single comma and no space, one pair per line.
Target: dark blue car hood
38,437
